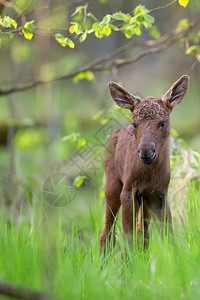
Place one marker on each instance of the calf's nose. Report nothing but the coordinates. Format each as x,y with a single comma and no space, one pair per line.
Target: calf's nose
146,152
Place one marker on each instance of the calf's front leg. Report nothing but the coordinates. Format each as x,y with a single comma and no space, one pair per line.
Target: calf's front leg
139,214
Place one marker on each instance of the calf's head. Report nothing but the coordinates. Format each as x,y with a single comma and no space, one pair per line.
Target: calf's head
151,116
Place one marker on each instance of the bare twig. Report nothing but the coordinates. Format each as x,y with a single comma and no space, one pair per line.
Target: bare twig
21,292
122,62
162,7
107,63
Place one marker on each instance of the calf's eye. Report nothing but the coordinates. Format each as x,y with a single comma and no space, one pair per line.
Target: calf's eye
135,126
162,124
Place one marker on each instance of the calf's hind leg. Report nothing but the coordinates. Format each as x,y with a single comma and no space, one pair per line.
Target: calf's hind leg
112,193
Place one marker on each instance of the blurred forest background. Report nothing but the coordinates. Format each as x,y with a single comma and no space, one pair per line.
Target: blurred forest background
43,125
56,115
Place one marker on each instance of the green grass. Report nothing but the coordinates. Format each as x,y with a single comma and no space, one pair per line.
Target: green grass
47,251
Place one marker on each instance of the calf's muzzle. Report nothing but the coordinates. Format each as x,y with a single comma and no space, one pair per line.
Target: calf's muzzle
147,152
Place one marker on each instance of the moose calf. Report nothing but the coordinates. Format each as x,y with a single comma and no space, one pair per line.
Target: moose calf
137,161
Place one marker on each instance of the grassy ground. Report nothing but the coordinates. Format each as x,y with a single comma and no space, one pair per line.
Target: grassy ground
48,252
56,250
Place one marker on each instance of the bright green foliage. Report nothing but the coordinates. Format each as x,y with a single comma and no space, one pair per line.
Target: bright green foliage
75,139
120,16
191,49
28,139
128,33
174,133
8,22
75,28
195,50
107,30
78,181
84,75
154,32
83,37
182,23
28,29
118,21
194,39
30,26
64,41
183,3
79,10
27,34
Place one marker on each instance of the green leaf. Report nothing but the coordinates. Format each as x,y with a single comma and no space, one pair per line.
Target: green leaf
27,139
107,30
95,25
70,43
140,9
128,33
78,181
148,21
72,137
27,30
14,23
81,143
106,20
119,16
98,115
99,33
64,41
182,23
27,34
92,16
155,33
78,10
190,50
137,30
113,27
183,3
6,22
75,28
102,194
84,75
29,26
174,133
83,37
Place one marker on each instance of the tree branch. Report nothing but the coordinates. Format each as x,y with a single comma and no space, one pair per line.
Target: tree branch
170,41
162,7
107,63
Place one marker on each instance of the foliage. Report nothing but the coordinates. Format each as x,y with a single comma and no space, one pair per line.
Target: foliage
78,181
64,41
84,75
192,45
75,139
83,23
184,3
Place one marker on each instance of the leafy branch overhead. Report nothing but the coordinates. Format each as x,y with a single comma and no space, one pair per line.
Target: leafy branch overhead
27,29
84,23
129,24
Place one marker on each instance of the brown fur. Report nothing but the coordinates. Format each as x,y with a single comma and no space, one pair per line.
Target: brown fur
136,162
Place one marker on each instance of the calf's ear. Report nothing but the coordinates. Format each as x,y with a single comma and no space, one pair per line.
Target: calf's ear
122,97
177,92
